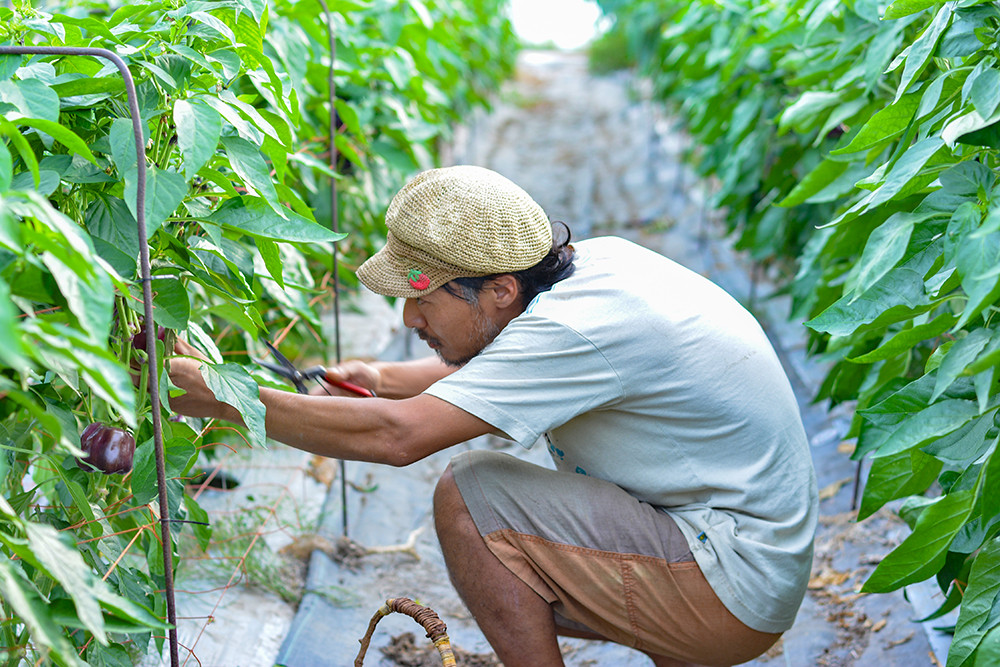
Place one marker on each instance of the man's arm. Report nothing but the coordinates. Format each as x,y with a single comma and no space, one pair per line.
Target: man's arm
395,432
391,379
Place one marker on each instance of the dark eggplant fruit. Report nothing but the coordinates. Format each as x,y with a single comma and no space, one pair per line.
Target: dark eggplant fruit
109,449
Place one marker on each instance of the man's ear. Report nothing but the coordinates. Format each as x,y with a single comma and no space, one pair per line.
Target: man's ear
505,291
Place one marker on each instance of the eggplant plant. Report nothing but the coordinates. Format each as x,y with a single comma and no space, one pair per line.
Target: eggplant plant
233,99
856,147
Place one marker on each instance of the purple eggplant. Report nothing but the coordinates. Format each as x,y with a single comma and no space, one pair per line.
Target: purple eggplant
109,449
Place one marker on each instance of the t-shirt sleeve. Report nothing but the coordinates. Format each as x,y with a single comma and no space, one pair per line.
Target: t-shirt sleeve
536,374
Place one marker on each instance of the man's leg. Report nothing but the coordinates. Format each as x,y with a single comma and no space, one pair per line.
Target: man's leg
516,621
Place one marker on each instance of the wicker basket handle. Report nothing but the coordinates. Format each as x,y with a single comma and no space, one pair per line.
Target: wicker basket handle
436,629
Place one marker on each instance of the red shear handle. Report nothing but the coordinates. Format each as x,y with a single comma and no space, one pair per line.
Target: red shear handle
351,387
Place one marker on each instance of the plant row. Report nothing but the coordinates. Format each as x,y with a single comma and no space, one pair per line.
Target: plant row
854,150
233,98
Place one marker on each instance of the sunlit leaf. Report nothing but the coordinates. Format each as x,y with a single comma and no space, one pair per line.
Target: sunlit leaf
232,385
977,604
922,553
198,129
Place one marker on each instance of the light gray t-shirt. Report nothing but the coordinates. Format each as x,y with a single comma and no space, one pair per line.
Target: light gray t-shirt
645,374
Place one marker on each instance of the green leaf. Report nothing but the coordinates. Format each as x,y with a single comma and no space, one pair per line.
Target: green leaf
957,130
923,552
66,566
110,220
32,99
885,247
177,454
271,255
802,113
923,48
959,356
249,165
244,128
123,146
976,262
908,338
198,130
6,167
897,296
977,604
901,8
905,170
215,24
966,443
232,385
23,148
171,305
165,190
988,652
86,85
253,216
31,609
931,422
197,513
63,135
902,474
985,92
884,126
967,179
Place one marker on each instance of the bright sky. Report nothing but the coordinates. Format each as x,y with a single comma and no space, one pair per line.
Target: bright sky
569,24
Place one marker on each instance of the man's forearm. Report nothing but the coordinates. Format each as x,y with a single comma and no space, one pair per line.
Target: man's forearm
404,379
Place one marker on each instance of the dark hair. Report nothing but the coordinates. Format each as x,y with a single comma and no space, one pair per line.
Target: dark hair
555,266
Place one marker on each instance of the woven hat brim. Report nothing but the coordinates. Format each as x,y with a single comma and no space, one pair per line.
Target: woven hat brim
388,271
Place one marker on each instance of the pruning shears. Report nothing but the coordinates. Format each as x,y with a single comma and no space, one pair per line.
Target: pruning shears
287,369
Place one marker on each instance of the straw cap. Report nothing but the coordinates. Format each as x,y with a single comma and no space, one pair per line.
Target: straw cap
456,222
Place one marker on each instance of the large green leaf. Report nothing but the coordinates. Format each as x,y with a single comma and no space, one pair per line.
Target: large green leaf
923,552
253,216
901,8
887,124
931,422
65,564
249,165
907,338
897,476
232,385
63,135
966,443
922,49
31,609
897,296
977,260
974,619
958,358
198,130
177,455
165,190
32,99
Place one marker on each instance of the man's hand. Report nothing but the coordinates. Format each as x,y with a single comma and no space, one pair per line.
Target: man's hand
355,372
198,400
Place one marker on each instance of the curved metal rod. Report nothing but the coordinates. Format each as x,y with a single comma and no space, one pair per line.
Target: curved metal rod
147,298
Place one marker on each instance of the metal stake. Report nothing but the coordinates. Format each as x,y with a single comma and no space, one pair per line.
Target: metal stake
335,227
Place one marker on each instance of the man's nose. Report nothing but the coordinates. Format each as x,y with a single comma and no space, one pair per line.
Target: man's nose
412,318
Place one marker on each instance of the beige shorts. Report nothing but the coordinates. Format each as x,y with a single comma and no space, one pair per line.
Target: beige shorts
607,563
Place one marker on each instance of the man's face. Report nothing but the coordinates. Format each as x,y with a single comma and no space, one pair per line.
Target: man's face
454,328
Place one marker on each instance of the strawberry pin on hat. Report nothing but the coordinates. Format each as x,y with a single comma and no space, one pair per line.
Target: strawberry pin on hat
418,279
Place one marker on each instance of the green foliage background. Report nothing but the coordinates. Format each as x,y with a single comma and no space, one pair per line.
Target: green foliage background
854,146
233,97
